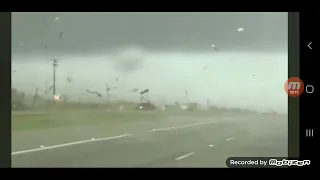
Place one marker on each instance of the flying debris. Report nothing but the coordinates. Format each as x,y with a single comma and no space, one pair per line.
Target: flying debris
45,46
214,47
61,35
47,88
135,90
186,93
21,44
144,91
69,80
177,104
65,98
205,67
50,88
93,92
240,29
56,18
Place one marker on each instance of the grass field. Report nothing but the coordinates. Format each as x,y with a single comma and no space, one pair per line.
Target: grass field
76,118
35,120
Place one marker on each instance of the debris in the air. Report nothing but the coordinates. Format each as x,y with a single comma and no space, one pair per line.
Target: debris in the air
50,88
135,90
45,46
144,91
42,146
115,87
186,93
205,67
93,92
177,104
69,80
240,29
56,18
20,44
107,87
61,35
214,47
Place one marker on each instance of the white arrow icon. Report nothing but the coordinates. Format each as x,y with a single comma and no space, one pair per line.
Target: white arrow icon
309,45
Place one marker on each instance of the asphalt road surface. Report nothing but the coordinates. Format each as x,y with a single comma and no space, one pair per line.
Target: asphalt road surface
200,144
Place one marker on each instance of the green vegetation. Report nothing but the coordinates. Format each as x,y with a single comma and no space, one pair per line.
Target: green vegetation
76,118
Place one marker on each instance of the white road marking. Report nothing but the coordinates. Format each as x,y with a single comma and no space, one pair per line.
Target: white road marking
180,127
230,138
69,144
184,156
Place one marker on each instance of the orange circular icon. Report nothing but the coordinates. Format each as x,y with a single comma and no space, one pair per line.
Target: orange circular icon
294,87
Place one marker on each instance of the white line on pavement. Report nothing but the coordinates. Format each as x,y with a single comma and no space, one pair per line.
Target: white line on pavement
180,127
184,156
69,144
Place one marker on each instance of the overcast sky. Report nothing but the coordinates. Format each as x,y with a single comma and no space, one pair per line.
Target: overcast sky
187,31
169,53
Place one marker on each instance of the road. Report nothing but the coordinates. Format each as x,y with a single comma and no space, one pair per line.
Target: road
199,144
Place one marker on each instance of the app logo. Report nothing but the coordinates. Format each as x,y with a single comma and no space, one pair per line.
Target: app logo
294,86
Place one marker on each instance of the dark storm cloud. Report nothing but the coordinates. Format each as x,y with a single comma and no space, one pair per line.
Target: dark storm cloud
91,32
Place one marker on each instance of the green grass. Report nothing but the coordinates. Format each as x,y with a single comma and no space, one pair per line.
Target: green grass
72,118
76,118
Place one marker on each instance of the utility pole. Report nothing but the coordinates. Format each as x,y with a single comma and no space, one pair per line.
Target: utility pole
54,64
